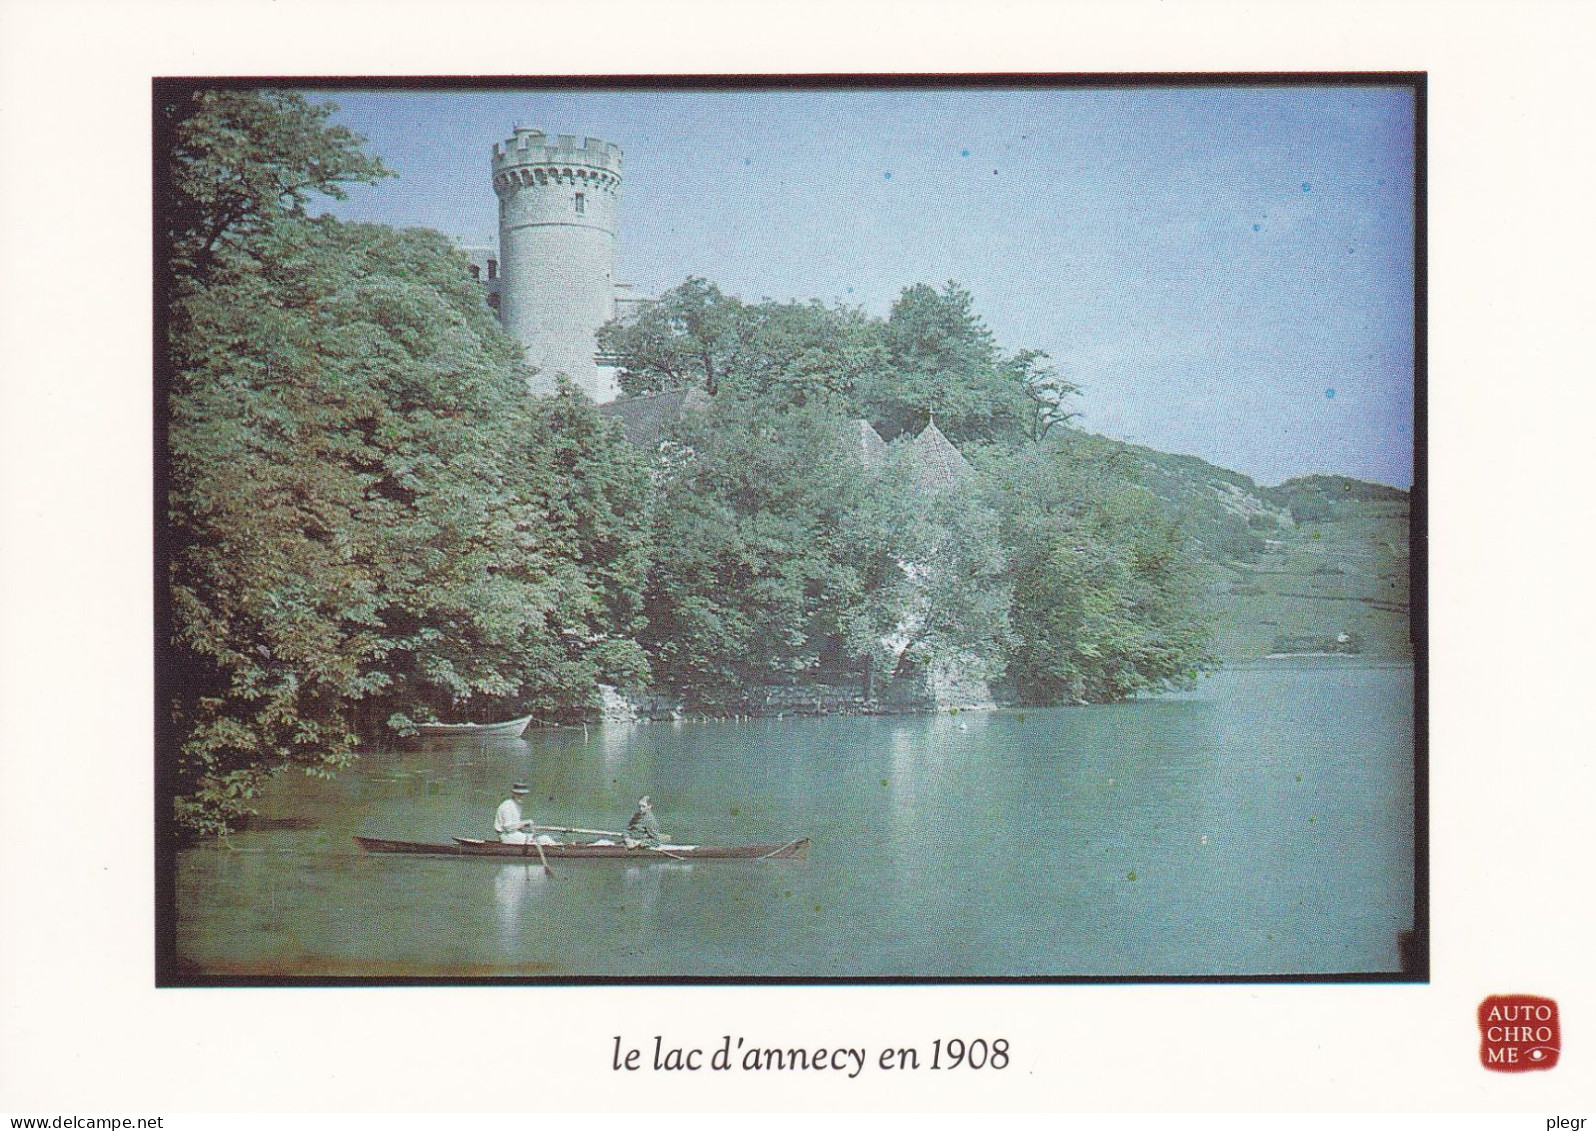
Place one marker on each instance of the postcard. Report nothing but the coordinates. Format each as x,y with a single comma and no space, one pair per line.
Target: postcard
940,582
809,588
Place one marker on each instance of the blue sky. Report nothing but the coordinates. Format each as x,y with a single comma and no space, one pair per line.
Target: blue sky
1227,272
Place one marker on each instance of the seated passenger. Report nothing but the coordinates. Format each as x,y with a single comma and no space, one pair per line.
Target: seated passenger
643,829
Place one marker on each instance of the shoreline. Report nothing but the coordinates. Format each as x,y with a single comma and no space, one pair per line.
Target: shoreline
837,708
658,709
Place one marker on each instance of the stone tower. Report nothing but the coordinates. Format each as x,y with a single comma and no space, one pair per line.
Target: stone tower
557,232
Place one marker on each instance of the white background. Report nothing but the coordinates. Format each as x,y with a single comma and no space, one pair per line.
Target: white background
1510,179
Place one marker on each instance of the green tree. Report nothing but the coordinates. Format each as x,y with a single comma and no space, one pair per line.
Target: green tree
240,161
1046,391
942,360
940,593
690,337
809,353
933,355
352,530
369,522
597,493
696,337
1105,583
774,552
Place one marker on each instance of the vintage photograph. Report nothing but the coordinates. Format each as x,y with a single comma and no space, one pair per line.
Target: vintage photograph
834,530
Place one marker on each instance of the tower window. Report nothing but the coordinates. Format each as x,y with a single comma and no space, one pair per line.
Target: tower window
493,269
581,203
476,272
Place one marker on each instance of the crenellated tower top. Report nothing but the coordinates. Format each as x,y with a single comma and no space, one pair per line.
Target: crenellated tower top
530,157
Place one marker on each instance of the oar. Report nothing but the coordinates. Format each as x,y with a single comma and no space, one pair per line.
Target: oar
563,829
547,871
604,832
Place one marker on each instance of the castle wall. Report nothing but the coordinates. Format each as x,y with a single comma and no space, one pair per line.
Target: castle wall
558,223
484,260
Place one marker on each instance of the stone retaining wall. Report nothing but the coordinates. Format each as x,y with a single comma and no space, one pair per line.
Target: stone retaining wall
814,698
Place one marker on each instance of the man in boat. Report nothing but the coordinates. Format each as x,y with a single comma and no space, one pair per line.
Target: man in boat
512,825
643,829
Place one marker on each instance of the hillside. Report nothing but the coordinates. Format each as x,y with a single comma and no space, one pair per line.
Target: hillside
1335,584
1318,564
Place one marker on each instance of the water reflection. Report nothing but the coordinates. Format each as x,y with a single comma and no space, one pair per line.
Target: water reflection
614,741
1041,842
927,756
514,888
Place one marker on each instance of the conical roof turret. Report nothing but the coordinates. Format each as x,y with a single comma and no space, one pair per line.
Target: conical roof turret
938,462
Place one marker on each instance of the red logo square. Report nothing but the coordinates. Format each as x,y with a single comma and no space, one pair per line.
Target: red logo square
1519,1033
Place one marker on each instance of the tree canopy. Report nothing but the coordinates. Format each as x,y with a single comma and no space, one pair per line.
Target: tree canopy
1104,580
371,524
775,554
242,161
932,356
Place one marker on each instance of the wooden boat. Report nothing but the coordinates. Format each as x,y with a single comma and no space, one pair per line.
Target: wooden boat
470,846
512,729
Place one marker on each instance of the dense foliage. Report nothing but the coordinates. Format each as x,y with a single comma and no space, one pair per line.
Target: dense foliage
369,521
931,355
1105,581
242,161
371,524
779,554
775,557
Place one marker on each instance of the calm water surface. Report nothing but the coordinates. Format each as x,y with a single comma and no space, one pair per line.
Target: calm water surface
1263,824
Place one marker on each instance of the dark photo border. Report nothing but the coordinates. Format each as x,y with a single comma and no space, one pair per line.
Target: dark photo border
168,972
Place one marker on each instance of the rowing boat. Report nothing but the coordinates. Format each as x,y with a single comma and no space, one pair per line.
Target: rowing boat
511,729
470,846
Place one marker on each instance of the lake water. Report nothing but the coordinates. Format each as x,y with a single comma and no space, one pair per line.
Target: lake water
1262,824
